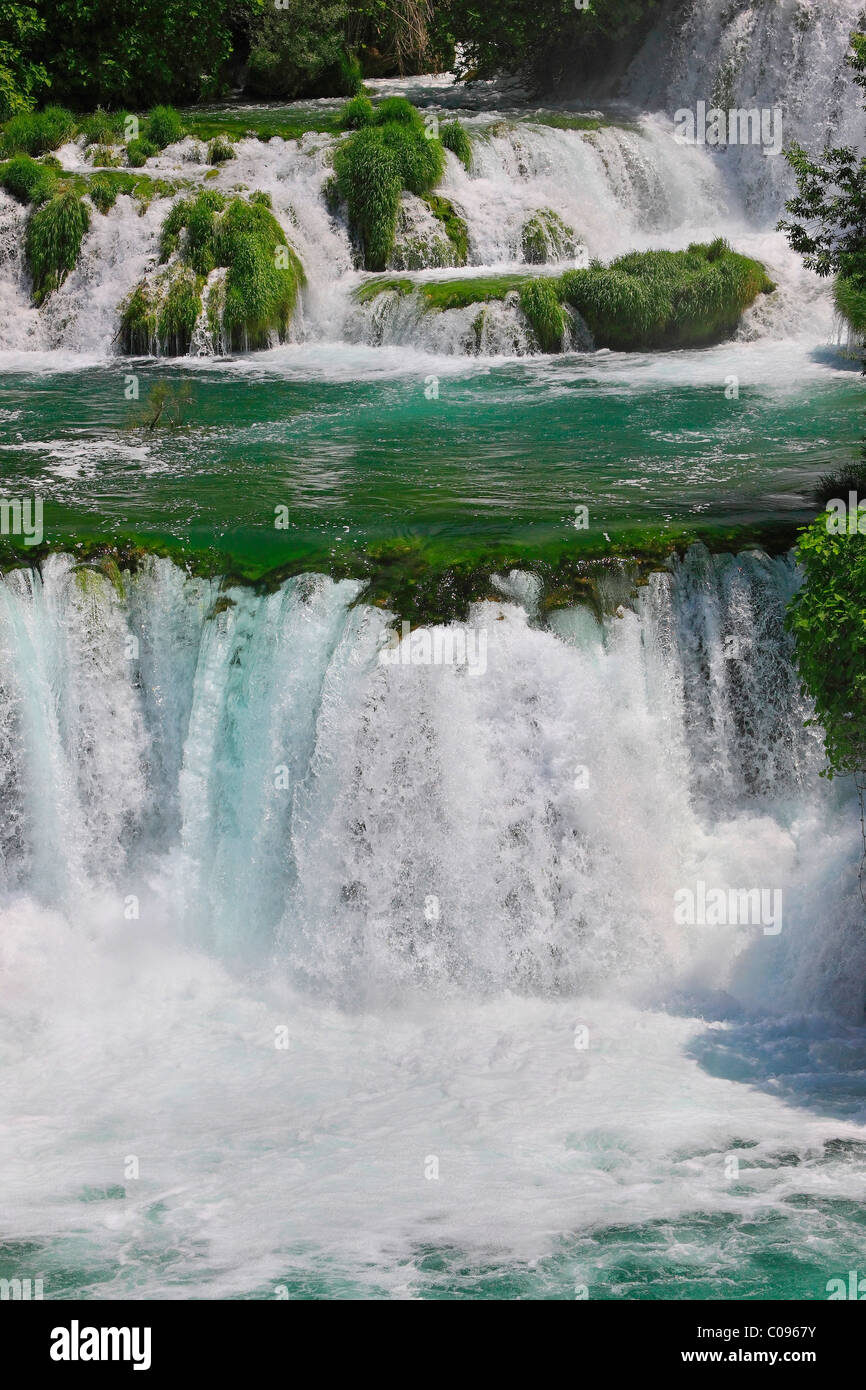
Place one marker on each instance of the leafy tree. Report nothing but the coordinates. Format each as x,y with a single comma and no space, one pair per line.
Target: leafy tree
550,43
299,48
99,52
21,77
828,215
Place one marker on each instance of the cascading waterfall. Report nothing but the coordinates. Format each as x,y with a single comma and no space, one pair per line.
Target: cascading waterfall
625,186
253,772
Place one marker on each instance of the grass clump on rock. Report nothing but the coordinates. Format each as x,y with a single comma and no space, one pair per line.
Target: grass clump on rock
540,303
138,152
28,181
53,240
665,299
38,132
219,151
373,167
248,305
103,192
163,127
645,301
454,138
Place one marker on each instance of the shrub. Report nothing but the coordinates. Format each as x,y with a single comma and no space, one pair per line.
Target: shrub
374,165
219,151
28,181
540,304
665,299
38,132
163,127
454,138
53,240
368,179
398,110
356,113
103,192
262,280
103,128
138,152
826,619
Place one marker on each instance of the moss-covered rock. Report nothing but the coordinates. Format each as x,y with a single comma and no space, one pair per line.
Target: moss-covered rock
665,299
247,306
373,166
546,238
643,301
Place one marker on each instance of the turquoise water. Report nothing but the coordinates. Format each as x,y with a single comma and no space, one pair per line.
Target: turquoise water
357,453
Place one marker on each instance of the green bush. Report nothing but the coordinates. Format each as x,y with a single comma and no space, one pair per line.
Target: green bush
38,132
103,128
103,192
454,138
850,297
219,151
138,152
257,298
665,299
540,304
399,111
53,240
356,113
28,181
368,179
826,617
163,127
179,311
374,165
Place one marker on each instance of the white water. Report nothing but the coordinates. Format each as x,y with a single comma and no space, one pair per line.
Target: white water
303,906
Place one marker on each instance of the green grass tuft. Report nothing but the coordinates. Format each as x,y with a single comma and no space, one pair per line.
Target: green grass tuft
28,181
103,192
540,303
251,304
219,151
374,165
38,132
454,138
356,113
138,152
53,240
163,127
665,299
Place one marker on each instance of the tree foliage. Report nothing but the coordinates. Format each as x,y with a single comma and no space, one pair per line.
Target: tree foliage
827,223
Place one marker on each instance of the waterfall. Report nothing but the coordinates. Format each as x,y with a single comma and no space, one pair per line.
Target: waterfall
626,185
254,776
